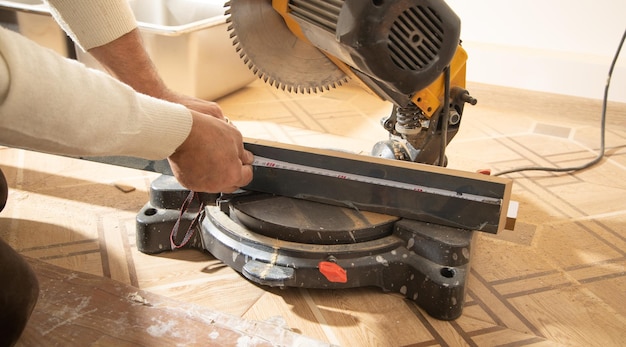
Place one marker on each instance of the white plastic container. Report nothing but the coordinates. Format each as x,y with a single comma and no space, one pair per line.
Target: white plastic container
191,47
34,21
187,40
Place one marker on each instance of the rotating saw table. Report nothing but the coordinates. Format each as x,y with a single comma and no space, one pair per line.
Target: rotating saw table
308,237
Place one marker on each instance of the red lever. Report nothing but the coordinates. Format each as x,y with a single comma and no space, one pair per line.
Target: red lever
333,272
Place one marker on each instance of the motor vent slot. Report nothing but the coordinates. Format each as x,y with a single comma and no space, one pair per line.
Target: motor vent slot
415,38
323,13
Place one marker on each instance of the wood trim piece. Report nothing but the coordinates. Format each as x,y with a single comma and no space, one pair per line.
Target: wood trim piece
488,214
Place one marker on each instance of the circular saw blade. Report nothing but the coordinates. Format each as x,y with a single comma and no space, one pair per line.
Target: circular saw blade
274,53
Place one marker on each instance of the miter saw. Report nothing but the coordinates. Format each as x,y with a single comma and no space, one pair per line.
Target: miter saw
406,52
324,219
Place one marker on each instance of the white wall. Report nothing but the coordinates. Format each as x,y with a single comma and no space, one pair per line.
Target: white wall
558,46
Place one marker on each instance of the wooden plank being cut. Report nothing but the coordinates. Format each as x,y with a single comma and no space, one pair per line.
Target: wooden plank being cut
422,192
405,189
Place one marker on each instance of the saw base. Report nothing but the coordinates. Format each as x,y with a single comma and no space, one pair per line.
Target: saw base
322,246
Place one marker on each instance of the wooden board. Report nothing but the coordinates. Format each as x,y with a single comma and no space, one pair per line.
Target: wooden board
439,195
488,215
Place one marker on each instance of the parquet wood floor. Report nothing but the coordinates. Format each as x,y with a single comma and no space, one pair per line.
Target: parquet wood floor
558,279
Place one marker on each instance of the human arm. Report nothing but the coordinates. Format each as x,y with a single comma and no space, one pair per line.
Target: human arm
55,105
127,60
108,31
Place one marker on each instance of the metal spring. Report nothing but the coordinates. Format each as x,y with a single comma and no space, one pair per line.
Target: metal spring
409,117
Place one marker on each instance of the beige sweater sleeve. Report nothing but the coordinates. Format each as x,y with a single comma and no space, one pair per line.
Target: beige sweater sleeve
56,105
93,23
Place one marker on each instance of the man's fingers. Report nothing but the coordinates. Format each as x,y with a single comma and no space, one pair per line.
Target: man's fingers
246,175
246,178
247,158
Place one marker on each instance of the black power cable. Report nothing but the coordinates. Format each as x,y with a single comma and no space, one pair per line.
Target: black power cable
602,130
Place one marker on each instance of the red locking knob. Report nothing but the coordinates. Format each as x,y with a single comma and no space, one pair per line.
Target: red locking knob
333,272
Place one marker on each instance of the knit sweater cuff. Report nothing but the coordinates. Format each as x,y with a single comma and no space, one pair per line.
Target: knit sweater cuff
112,18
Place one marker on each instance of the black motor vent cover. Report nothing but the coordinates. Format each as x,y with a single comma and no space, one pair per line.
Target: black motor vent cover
402,45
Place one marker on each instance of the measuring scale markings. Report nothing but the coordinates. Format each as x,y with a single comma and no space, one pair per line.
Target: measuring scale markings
277,164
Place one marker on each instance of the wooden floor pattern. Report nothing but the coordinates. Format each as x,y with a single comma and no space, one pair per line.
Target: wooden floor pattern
558,279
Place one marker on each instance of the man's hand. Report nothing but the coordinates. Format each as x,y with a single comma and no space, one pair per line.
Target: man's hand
212,158
207,107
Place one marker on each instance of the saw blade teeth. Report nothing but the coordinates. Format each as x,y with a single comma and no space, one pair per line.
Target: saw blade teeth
252,23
